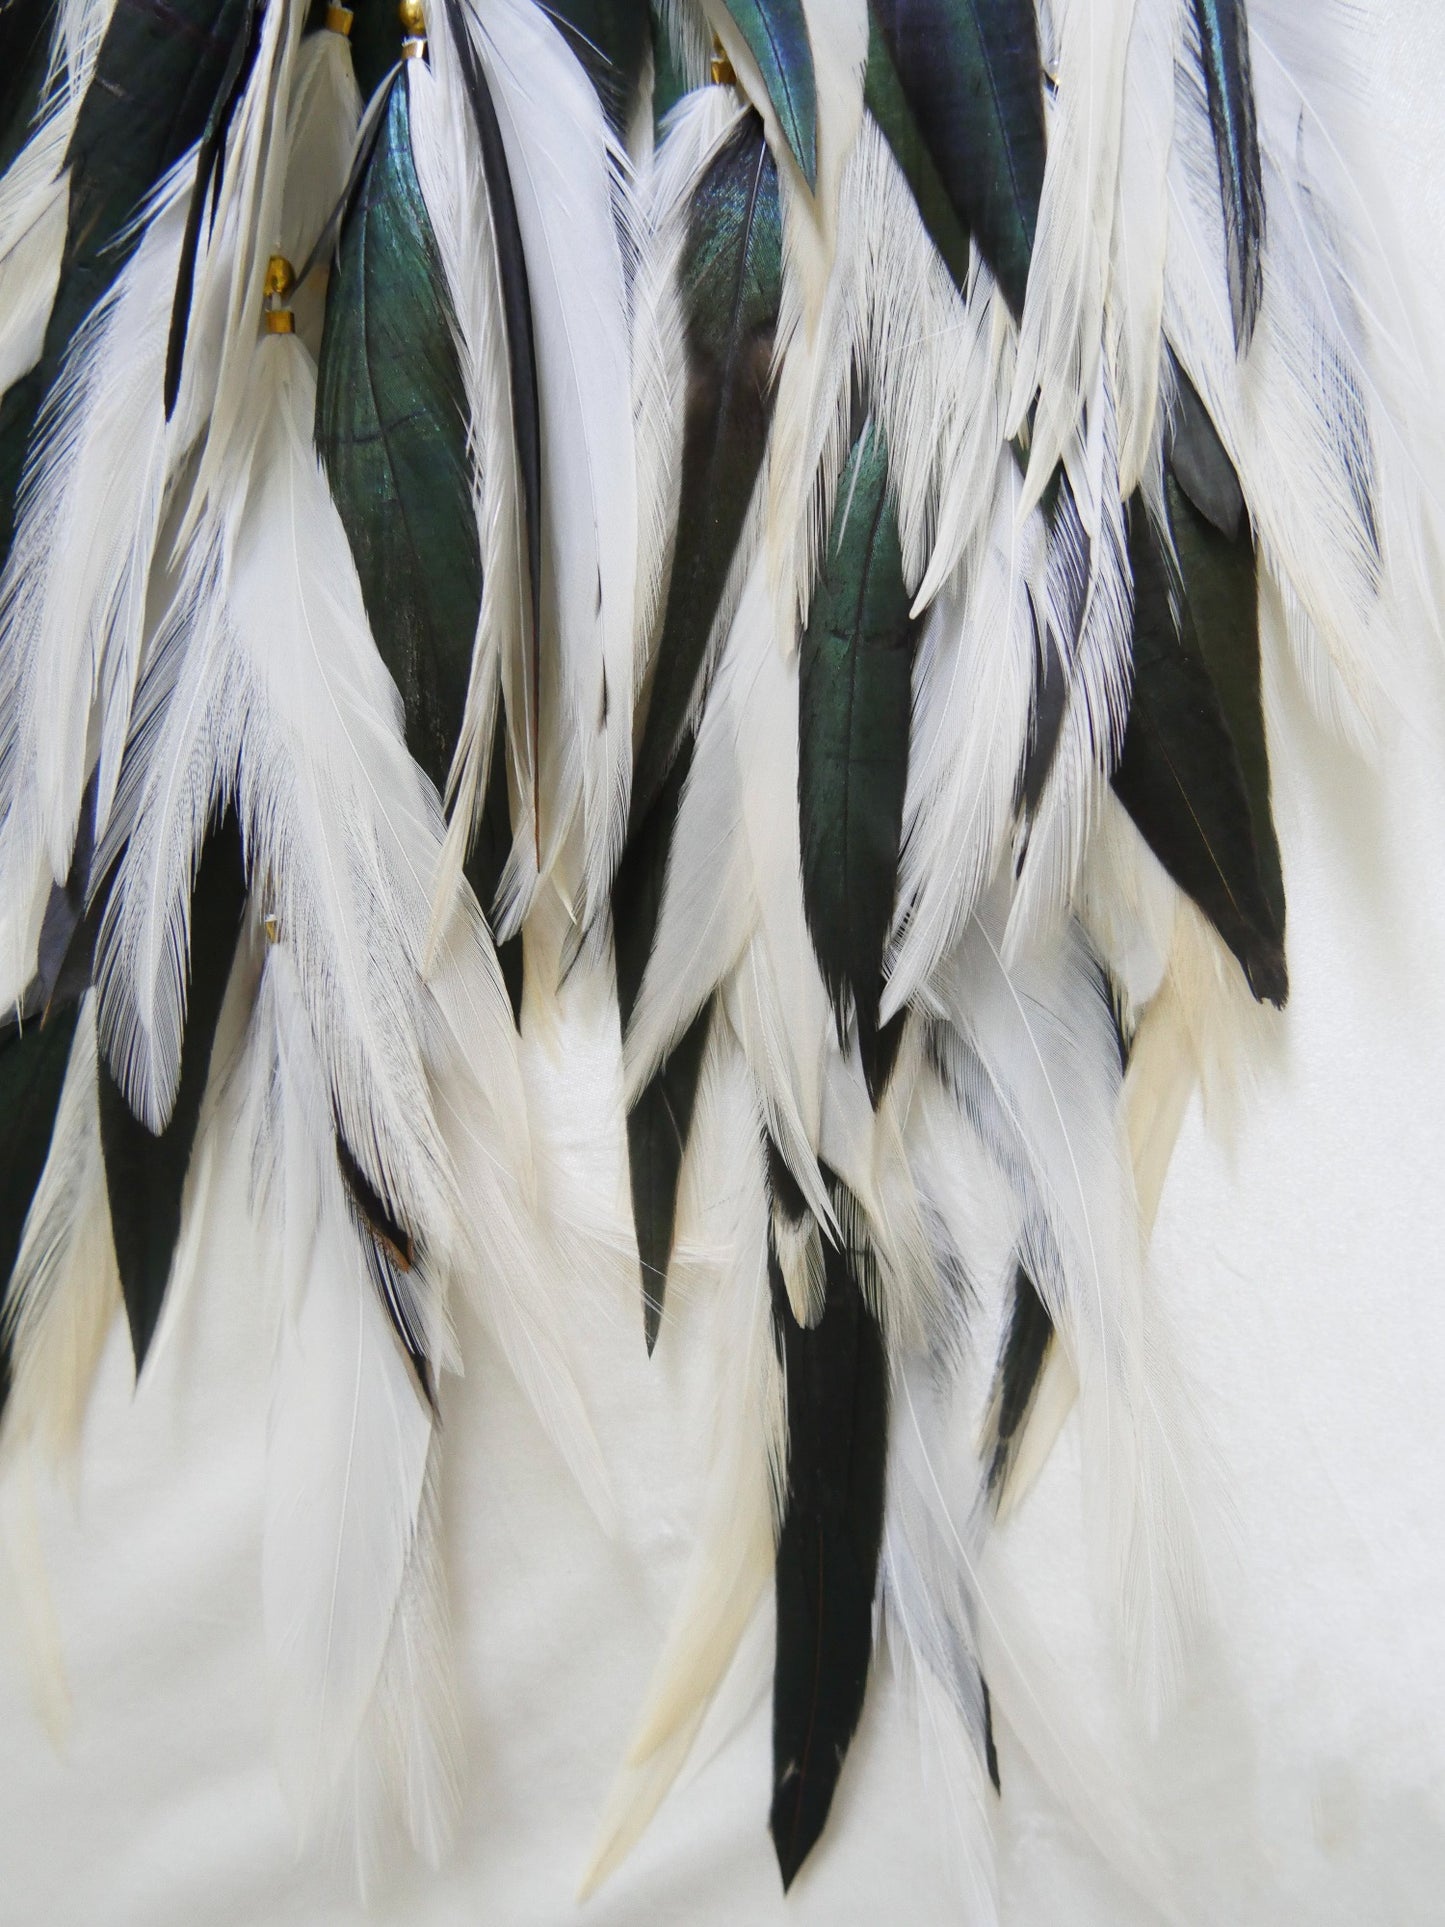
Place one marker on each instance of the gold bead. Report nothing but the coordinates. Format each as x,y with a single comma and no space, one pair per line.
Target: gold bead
339,19
412,18
280,321
722,68
272,927
280,276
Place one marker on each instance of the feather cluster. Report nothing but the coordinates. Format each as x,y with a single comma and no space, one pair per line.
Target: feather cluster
763,506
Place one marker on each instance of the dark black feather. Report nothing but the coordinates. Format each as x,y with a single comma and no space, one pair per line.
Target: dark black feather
855,701
659,1122
1180,774
731,283
158,72
210,163
1020,1367
25,31
390,1255
669,83
1214,543
957,88
33,1061
145,1174
990,1751
828,1546
521,350
611,39
1224,52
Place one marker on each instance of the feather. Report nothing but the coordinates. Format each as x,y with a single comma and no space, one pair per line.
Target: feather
33,1064
855,685
391,427
1295,415
567,175
1061,332
145,1172
1033,1062
775,33
206,183
828,1544
119,151
611,39
1135,302
742,1442
730,276
63,1290
972,725
1224,48
514,504
958,90
265,688
349,1432
74,593
1088,619
1020,1368
659,1120
1180,772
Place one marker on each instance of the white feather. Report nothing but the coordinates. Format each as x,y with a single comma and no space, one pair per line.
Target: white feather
1090,618
1062,329
1035,1066
349,1432
972,683
64,1289
575,208
73,597
1135,300
1295,414
733,1559
449,171
267,687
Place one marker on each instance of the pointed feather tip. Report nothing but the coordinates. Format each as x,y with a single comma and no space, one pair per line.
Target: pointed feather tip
794,1832
651,1310
1267,973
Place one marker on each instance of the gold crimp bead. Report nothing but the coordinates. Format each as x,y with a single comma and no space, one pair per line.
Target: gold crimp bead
280,280
722,67
413,25
339,19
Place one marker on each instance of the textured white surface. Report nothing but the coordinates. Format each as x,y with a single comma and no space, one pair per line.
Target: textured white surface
1303,1779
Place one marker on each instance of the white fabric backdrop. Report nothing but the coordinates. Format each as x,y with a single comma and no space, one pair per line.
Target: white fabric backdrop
1303,1778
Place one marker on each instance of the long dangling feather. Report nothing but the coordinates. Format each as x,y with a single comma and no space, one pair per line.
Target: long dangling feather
959,90
1224,44
118,153
62,1290
350,1429
730,275
854,702
568,179
775,34
145,1172
828,1544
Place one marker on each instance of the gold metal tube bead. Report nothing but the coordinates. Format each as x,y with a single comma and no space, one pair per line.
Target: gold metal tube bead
339,19
280,280
413,25
722,68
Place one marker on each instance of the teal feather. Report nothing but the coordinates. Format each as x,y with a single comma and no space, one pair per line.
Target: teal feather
854,719
776,32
